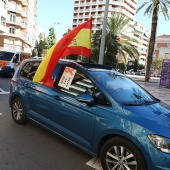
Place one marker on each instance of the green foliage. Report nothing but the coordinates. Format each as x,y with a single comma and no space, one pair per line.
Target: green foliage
51,38
44,43
116,42
95,55
157,63
118,26
122,66
96,39
72,57
34,52
135,68
140,66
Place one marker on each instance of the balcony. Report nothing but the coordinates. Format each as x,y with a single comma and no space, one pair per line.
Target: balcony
23,13
2,28
24,37
22,24
24,2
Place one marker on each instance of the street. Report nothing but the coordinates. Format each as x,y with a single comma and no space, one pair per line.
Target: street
32,147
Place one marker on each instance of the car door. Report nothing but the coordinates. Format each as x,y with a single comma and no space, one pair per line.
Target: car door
70,118
35,95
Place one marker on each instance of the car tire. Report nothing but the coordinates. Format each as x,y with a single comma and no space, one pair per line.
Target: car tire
119,153
11,74
18,111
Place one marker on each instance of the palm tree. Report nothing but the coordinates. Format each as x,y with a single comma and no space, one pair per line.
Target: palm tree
154,7
117,41
119,26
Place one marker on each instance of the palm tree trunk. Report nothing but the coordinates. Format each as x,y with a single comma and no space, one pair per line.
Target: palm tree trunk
152,42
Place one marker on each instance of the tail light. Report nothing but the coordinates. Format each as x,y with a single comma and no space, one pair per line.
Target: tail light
12,81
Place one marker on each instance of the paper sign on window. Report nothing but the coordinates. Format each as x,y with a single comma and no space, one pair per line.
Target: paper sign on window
67,77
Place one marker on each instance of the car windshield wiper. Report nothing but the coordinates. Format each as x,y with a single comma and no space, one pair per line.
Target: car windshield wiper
143,103
132,104
151,102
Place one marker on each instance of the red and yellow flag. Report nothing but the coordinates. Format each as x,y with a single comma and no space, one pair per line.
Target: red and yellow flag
77,41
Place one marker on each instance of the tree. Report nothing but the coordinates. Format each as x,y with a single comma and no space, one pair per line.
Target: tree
51,38
154,7
135,68
43,44
116,40
119,28
157,64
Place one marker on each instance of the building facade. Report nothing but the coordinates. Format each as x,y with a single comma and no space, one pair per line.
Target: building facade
162,46
18,25
84,9
142,36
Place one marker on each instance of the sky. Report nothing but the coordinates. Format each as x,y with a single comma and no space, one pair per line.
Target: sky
59,14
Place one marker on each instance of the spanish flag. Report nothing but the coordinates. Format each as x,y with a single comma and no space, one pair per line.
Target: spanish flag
77,41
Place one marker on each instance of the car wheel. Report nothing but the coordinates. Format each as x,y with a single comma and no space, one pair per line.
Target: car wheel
119,153
18,111
11,74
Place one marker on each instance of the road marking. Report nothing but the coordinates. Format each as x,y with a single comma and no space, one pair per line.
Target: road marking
3,92
95,163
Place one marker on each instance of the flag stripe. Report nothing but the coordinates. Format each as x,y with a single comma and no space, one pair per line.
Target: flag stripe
77,50
43,66
81,40
62,48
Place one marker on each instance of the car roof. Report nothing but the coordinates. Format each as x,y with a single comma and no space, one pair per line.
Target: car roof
88,66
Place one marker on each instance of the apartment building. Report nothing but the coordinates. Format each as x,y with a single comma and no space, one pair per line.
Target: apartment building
162,46
142,36
18,25
84,9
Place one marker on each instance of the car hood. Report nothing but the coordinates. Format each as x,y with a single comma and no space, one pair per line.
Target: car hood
154,117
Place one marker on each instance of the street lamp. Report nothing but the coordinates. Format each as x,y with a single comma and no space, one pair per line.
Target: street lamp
101,55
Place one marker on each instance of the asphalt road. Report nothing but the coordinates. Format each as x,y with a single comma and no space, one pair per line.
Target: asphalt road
32,147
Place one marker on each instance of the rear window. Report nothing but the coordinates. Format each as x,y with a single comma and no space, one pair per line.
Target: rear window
29,69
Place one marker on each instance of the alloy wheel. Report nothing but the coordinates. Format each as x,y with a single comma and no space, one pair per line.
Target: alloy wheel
120,158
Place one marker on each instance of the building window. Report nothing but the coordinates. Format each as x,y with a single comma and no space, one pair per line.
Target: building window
12,17
11,41
4,3
3,21
12,30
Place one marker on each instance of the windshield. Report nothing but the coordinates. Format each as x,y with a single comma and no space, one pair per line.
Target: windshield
6,55
123,89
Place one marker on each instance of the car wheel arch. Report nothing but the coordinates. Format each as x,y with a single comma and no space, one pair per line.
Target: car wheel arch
124,135
14,97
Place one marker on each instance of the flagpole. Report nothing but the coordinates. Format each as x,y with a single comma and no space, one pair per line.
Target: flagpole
102,45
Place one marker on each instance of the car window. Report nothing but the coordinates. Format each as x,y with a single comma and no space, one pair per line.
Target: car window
122,89
99,97
29,69
81,83
74,84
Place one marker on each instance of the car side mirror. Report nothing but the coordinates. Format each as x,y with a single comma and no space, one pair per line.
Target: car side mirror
85,98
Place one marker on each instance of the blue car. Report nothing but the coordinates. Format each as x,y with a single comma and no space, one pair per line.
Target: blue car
97,109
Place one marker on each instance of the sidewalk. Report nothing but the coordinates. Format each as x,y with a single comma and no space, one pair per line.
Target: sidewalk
160,92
